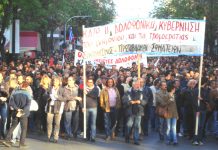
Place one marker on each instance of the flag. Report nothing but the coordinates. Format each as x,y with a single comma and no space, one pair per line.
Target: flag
157,62
71,36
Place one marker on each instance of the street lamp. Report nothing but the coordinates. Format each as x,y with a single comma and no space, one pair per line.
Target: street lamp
65,25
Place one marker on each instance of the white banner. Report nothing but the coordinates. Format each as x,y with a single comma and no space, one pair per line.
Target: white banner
123,60
154,37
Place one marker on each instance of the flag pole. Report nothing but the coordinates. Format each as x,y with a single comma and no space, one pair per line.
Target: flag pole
139,66
84,96
199,91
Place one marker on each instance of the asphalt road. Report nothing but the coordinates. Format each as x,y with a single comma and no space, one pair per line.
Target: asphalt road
39,142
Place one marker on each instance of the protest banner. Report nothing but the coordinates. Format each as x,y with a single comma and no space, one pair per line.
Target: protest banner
153,37
123,60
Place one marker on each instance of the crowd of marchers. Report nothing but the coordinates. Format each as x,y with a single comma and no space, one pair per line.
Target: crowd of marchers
45,95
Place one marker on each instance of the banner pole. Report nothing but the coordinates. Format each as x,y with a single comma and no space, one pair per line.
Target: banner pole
199,92
84,95
139,66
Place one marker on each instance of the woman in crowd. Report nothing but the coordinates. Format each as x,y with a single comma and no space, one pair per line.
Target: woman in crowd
42,98
173,115
110,102
54,109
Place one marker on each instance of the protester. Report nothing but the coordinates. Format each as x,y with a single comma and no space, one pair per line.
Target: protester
4,94
110,102
19,103
54,109
179,70
92,93
134,109
73,100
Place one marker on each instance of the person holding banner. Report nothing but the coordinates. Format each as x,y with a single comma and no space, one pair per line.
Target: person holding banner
110,102
191,109
71,109
92,93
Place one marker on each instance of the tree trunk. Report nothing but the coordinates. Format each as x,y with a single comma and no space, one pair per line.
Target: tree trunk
44,42
51,42
2,47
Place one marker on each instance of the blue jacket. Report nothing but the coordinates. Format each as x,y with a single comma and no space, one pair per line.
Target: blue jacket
20,100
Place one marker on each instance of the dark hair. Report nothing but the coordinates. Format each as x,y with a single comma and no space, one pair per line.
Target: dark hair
108,80
156,81
170,86
24,85
161,82
90,78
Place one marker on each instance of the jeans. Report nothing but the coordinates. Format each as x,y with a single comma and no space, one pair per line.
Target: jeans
153,118
133,121
91,117
31,121
161,127
145,119
57,119
171,130
23,122
189,122
71,122
3,116
215,122
110,121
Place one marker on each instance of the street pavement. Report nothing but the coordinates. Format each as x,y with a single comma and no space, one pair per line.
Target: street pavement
39,142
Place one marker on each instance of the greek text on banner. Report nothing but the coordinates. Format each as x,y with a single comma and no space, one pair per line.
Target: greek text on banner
157,36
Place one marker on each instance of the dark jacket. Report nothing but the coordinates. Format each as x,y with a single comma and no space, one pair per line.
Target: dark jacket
92,97
20,100
148,96
134,109
4,91
213,98
42,96
190,98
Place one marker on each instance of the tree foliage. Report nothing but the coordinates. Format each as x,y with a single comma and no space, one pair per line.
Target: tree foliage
45,16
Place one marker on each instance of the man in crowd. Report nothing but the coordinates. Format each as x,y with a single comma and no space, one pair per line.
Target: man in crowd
134,104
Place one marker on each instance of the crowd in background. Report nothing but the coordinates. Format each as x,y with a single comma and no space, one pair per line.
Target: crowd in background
118,102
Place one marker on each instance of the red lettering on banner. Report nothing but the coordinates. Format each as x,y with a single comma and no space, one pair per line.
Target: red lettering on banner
80,54
183,26
136,24
106,30
91,32
168,37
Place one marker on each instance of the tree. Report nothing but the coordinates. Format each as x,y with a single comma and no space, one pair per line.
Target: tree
51,14
191,9
5,17
44,16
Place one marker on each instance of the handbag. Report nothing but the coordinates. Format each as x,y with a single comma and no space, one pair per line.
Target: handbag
33,105
162,111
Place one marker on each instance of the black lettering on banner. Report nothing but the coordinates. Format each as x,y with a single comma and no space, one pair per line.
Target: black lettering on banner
133,48
165,48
